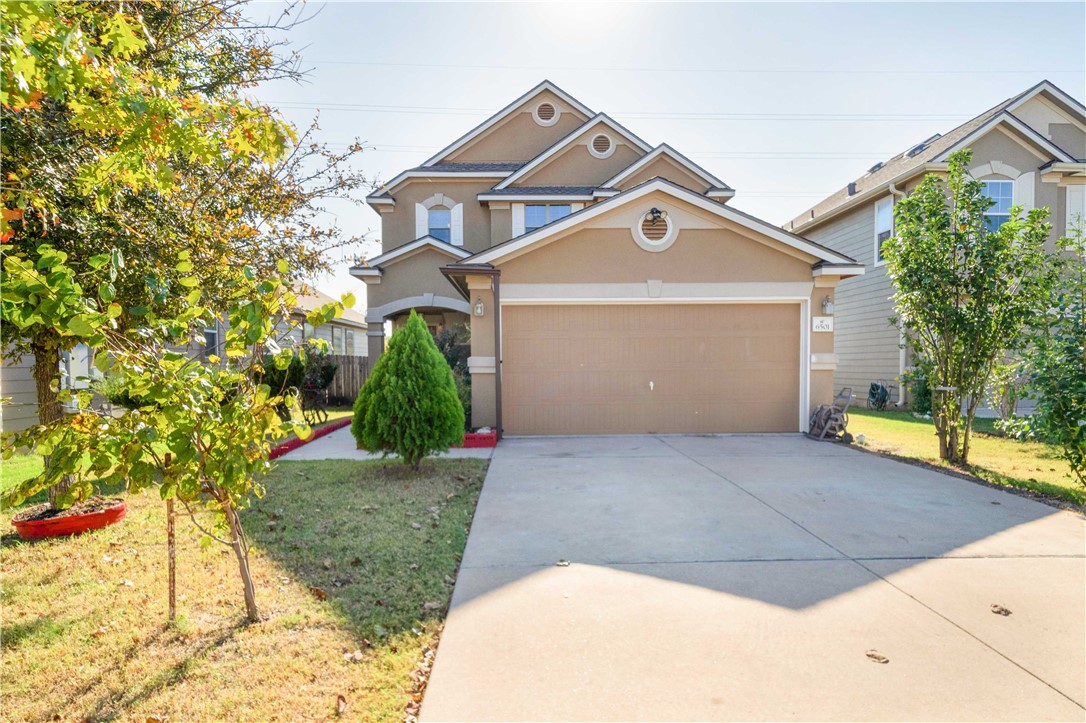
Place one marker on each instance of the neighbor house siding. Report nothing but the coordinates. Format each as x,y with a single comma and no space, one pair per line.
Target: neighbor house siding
17,384
867,346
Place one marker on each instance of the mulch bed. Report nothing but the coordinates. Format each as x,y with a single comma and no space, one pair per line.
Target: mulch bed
42,511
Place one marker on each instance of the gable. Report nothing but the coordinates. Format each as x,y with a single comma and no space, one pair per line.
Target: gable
664,166
518,136
1003,146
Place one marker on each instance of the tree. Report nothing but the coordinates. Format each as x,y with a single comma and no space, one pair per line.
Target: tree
964,293
1056,362
409,404
212,418
123,127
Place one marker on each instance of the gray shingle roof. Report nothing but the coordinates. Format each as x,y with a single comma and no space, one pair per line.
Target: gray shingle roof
542,191
900,164
472,167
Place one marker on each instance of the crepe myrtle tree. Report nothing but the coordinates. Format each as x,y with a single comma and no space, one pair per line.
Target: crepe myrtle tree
1055,361
963,292
409,405
210,416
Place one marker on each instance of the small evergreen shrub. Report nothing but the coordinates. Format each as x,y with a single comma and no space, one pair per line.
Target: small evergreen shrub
409,405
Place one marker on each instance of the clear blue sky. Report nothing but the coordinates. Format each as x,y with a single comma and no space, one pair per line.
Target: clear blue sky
786,102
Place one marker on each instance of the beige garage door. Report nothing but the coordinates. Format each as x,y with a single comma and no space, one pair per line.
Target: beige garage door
650,368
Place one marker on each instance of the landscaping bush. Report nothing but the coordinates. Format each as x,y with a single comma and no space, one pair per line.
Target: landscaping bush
409,405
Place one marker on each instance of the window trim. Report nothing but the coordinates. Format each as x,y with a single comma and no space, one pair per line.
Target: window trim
878,259
548,220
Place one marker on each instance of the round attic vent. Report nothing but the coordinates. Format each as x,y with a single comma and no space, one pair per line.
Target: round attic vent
654,232
601,145
545,114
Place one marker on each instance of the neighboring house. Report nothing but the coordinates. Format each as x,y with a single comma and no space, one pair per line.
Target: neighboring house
608,285
346,335
1028,150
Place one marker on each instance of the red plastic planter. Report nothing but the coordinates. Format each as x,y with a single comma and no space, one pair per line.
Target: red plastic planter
295,443
69,524
474,440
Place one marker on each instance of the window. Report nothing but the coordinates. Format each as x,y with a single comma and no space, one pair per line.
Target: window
441,224
211,342
337,339
884,226
1002,193
537,215
349,343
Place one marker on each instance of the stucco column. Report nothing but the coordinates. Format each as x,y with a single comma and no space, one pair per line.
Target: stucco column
482,364
823,358
375,339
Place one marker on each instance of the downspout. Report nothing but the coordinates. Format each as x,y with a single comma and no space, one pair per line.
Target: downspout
901,337
497,281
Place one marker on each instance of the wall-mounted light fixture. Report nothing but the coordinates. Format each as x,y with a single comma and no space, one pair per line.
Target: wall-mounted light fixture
480,309
655,215
827,306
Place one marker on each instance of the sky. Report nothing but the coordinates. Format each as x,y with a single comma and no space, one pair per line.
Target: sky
785,102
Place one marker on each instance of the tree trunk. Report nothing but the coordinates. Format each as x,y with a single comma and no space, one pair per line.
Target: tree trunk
46,374
241,550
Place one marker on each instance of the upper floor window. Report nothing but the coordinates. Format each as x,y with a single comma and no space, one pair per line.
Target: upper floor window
211,343
440,220
1002,193
537,215
884,226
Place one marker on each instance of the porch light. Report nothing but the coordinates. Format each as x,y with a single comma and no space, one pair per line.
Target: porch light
655,215
480,309
827,306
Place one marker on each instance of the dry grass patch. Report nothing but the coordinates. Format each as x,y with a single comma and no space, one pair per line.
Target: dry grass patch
347,556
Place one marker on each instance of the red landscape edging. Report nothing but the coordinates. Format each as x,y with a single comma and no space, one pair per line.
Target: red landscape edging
475,440
295,443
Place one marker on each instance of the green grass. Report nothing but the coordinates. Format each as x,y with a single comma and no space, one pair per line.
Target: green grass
17,469
346,556
1028,465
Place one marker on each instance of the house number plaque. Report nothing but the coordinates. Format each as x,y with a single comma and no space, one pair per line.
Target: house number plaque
822,323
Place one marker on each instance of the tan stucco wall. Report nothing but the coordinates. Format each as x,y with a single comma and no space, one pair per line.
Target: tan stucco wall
519,137
501,223
575,166
416,274
398,227
483,384
665,167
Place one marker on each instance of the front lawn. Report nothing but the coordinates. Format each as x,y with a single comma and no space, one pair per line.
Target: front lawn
1029,465
348,556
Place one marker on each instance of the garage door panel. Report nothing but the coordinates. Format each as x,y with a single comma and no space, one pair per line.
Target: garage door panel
659,368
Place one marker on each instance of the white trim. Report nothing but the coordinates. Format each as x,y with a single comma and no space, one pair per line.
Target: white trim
823,362
611,145
665,150
889,199
554,119
998,168
601,118
658,184
418,243
654,246
380,201
518,219
1077,167
1024,192
655,289
482,365
465,175
456,221
505,113
1074,206
377,315
1004,117
804,322
837,270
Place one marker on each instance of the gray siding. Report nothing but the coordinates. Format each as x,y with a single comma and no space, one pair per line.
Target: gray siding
17,382
864,341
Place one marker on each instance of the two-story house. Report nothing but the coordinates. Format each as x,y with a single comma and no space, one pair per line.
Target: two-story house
609,285
1029,150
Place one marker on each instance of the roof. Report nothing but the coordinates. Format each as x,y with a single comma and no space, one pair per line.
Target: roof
422,242
505,112
915,159
314,299
714,183
542,191
822,253
471,167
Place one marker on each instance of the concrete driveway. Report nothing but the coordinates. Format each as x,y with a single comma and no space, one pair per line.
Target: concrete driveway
746,578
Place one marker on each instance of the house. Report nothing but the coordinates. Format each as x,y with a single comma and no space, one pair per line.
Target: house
609,285
345,334
1028,150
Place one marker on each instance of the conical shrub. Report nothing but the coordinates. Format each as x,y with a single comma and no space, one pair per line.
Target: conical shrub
409,405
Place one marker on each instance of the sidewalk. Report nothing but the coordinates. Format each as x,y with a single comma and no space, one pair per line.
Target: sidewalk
341,445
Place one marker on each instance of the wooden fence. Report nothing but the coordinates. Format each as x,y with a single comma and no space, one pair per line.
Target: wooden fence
350,376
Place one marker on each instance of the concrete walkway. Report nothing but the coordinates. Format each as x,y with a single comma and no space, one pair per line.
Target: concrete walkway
746,578
341,445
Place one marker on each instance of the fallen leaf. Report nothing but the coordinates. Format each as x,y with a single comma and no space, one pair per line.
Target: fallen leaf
341,705
1000,610
877,657
356,561
127,583
355,657
450,580
153,719
563,563
370,508
98,633
432,605
416,526
327,563
318,593
413,566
